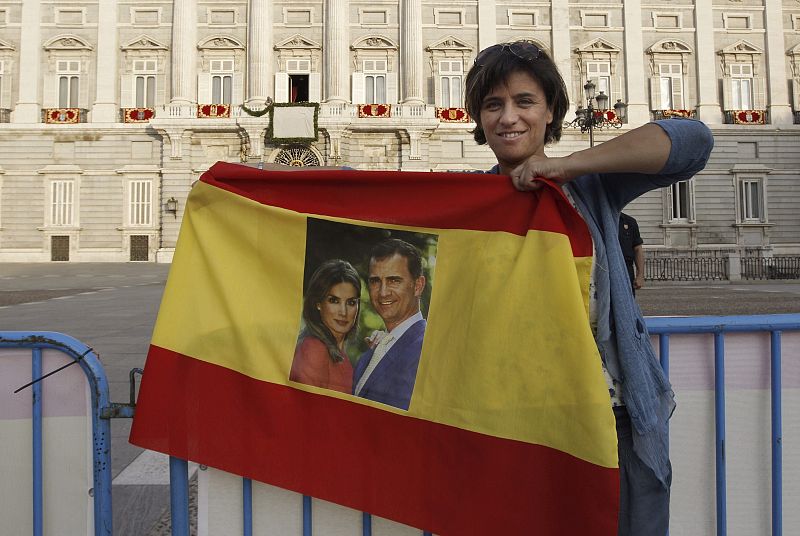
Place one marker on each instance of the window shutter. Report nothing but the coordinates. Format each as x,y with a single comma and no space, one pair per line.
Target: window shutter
204,88
727,93
677,92
161,90
238,89
669,216
391,88
796,95
281,87
126,88
690,212
357,88
655,93
314,87
759,93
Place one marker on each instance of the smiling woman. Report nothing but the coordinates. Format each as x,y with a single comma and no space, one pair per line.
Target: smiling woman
330,315
518,100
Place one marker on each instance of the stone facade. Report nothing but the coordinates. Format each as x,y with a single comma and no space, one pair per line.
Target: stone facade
110,110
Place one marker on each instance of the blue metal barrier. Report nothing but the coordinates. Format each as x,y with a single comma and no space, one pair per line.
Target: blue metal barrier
101,429
663,327
719,326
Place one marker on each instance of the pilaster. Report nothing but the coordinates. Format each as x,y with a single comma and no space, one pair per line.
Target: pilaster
259,51
638,111
29,106
411,51
562,51
708,108
336,70
780,110
487,24
184,51
106,105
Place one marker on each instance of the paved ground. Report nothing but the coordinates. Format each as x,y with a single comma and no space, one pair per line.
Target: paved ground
112,307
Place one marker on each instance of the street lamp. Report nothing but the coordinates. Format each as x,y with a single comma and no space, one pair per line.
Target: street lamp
591,118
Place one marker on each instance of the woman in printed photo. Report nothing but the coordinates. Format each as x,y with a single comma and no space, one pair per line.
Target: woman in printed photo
330,317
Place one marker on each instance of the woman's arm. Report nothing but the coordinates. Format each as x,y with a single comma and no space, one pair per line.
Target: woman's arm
679,148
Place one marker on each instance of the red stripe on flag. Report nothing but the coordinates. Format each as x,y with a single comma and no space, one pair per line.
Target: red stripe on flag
435,477
475,201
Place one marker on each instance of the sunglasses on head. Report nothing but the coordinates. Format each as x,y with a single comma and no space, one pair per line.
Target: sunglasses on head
522,49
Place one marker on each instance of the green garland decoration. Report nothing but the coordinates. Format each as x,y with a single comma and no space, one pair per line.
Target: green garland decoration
270,132
256,113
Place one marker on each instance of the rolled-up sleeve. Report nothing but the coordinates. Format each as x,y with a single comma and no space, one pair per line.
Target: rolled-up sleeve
692,142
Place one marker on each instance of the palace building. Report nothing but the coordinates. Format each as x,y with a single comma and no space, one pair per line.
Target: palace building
111,109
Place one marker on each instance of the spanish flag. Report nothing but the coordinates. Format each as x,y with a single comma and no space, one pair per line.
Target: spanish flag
509,428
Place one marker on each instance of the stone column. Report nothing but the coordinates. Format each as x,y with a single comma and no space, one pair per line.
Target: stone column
259,52
708,108
106,104
411,52
336,70
562,51
780,109
638,109
487,24
29,105
184,51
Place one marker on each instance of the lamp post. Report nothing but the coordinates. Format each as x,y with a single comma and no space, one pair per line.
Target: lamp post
591,118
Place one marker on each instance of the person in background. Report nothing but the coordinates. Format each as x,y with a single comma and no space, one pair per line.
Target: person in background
631,243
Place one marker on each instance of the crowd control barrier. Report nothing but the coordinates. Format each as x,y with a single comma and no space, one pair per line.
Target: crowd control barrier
54,436
732,376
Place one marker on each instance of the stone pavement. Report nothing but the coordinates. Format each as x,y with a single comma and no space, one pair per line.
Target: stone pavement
112,308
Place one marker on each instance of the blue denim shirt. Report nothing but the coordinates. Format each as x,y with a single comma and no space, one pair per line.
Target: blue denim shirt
621,334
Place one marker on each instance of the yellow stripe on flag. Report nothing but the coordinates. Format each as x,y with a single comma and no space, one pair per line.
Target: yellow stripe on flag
497,318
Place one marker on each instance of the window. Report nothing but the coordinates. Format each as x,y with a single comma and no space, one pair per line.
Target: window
671,79
141,202
68,73
2,73
371,17
737,21
599,72
375,81
751,199
61,202
221,17
297,17
221,81
680,206
448,17
522,18
594,20
667,20
450,76
145,16
741,86
144,73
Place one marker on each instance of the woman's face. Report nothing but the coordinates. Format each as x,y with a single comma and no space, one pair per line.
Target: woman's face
338,309
514,117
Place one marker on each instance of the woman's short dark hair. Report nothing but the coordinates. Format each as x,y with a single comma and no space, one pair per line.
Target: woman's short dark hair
329,273
496,64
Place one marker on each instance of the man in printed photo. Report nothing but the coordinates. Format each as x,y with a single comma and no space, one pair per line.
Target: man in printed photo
386,373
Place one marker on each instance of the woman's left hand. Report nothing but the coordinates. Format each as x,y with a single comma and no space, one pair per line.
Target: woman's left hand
525,176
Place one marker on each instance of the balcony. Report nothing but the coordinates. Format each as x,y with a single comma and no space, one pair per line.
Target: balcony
746,117
672,114
5,115
137,115
63,116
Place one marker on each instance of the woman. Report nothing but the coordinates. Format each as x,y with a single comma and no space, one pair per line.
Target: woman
518,100
330,313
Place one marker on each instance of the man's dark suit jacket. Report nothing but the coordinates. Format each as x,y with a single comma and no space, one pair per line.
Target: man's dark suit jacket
392,381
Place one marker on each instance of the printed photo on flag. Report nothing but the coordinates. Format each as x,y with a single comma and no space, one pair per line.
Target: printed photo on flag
366,293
